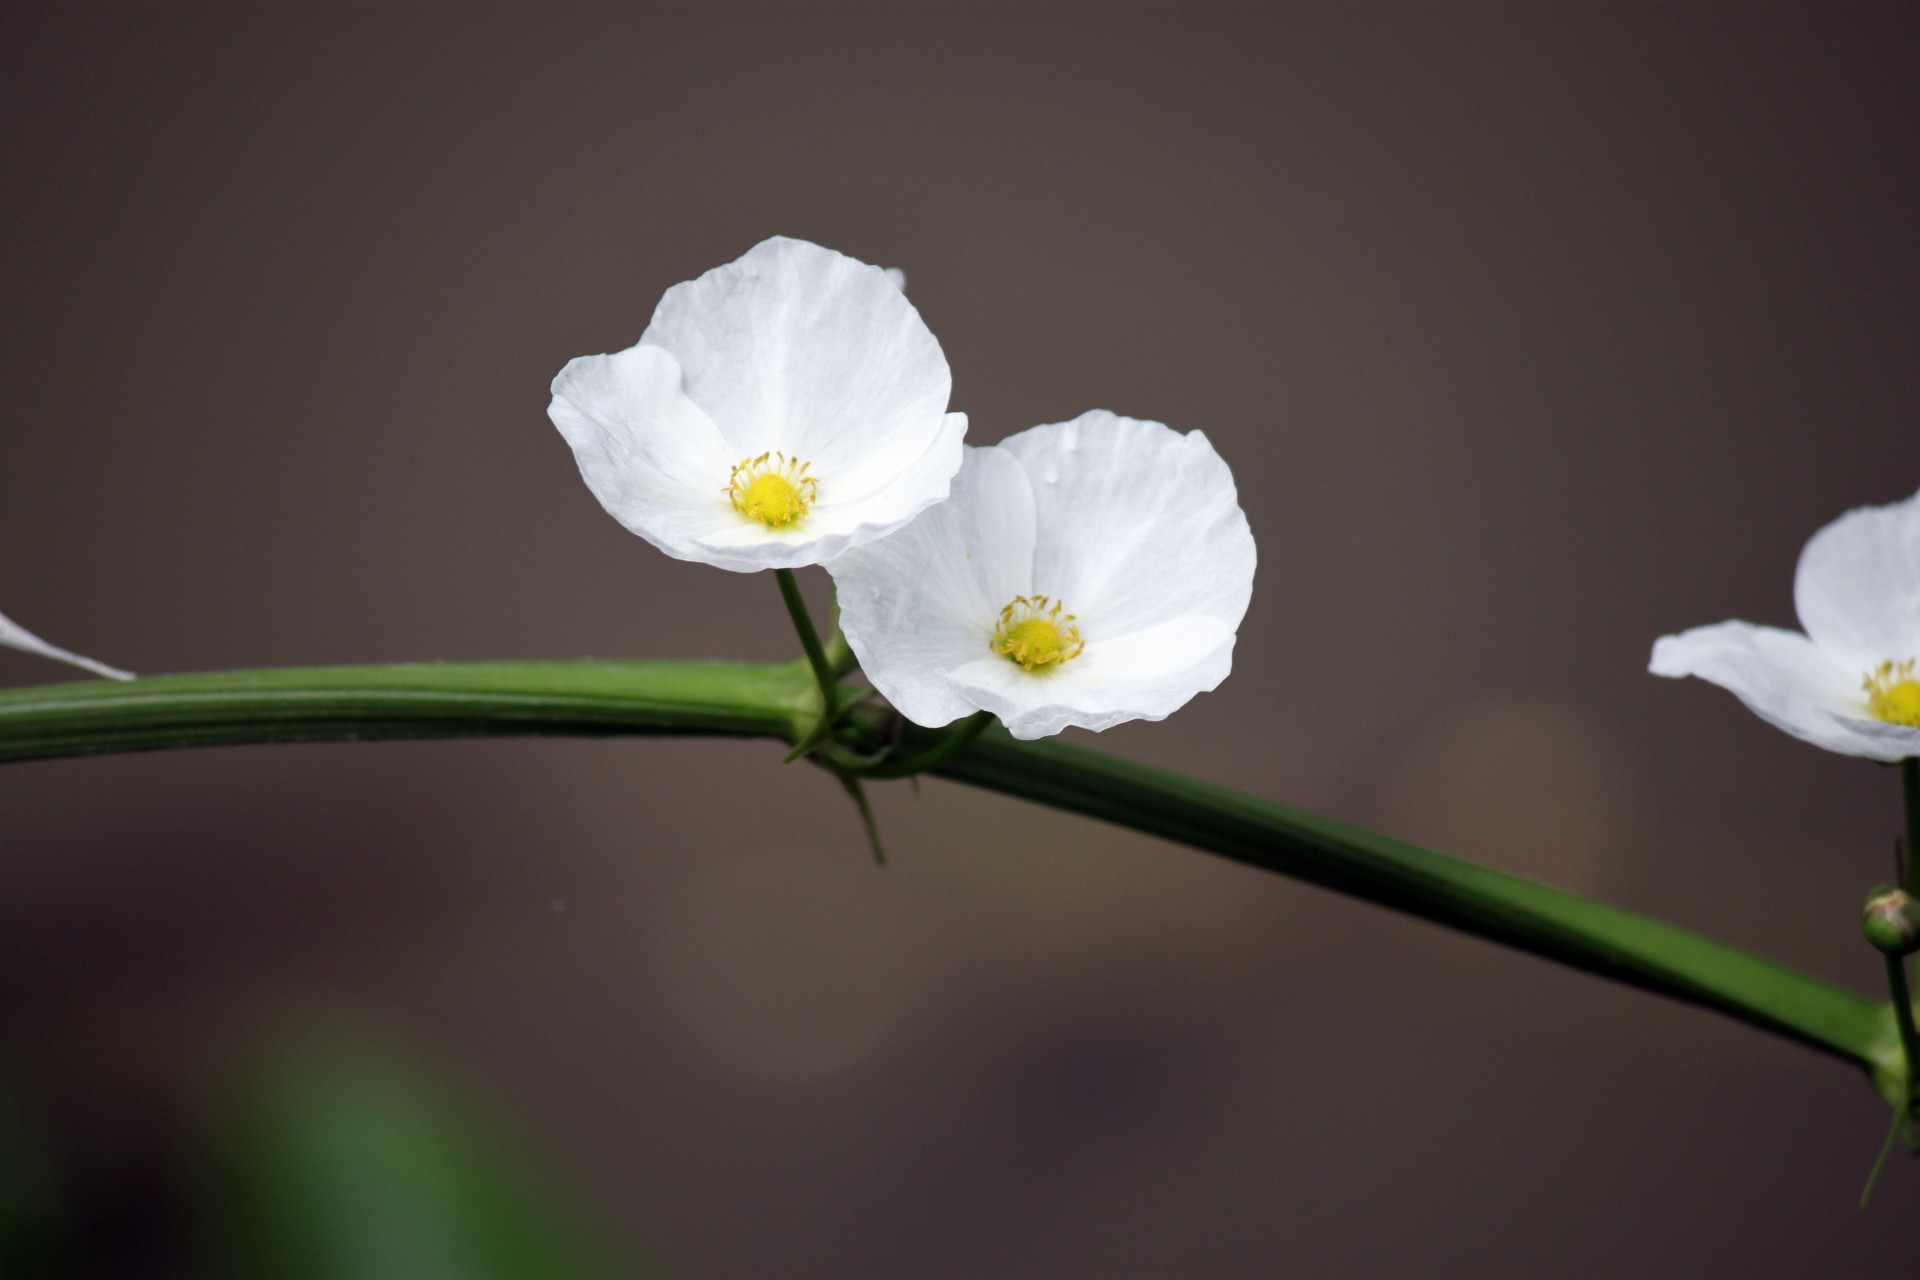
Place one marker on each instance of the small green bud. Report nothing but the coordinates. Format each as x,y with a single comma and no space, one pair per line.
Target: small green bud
1891,921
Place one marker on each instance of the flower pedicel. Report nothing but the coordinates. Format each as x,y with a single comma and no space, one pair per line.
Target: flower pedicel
777,411
1085,573
1849,683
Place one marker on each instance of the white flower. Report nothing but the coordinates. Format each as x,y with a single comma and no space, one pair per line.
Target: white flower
1849,684
777,411
1084,573
15,636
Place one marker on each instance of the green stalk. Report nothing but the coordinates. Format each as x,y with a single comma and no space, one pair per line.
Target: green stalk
957,738
1909,1036
781,702
1490,904
427,700
1910,792
817,659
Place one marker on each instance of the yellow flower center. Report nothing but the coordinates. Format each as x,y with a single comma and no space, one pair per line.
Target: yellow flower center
1893,694
773,489
1034,633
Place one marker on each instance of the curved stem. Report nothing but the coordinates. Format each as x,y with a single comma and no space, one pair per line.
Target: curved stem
1910,792
840,656
810,642
1902,1002
958,738
781,702
1489,904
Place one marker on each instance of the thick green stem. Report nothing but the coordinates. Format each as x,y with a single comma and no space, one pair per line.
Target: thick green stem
1502,908
781,702
428,700
958,738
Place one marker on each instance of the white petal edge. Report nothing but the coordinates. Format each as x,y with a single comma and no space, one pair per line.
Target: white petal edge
1790,682
659,466
801,349
1139,523
919,608
1857,585
832,529
15,636
922,602
1146,675
646,451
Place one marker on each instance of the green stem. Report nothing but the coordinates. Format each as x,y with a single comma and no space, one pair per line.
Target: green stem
1502,908
1910,792
957,739
840,656
810,642
1880,1163
428,700
1902,1000
781,702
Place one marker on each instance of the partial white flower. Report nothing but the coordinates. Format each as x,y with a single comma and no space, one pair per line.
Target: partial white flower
1849,684
15,636
777,411
1083,573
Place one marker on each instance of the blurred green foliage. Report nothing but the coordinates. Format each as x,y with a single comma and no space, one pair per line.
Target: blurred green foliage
335,1160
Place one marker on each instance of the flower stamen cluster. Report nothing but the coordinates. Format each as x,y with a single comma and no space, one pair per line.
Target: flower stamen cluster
773,489
1033,632
1893,695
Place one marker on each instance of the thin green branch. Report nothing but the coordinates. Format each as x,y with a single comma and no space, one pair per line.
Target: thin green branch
1902,1001
781,702
810,642
1880,1163
1489,904
857,792
1910,792
840,655
957,739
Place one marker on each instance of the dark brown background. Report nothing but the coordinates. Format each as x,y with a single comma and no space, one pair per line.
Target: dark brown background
1530,333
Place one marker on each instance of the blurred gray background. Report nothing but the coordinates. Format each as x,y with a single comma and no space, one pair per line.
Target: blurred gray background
1530,332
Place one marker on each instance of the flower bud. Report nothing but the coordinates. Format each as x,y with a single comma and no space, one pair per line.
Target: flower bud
1891,921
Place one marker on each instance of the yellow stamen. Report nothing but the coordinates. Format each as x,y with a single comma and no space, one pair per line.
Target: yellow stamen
773,489
1893,694
1036,634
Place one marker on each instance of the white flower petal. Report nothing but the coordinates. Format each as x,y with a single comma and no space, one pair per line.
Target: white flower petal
1857,587
1790,682
1138,520
893,479
1146,675
636,402
793,349
717,535
1139,524
15,636
800,349
645,450
924,601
